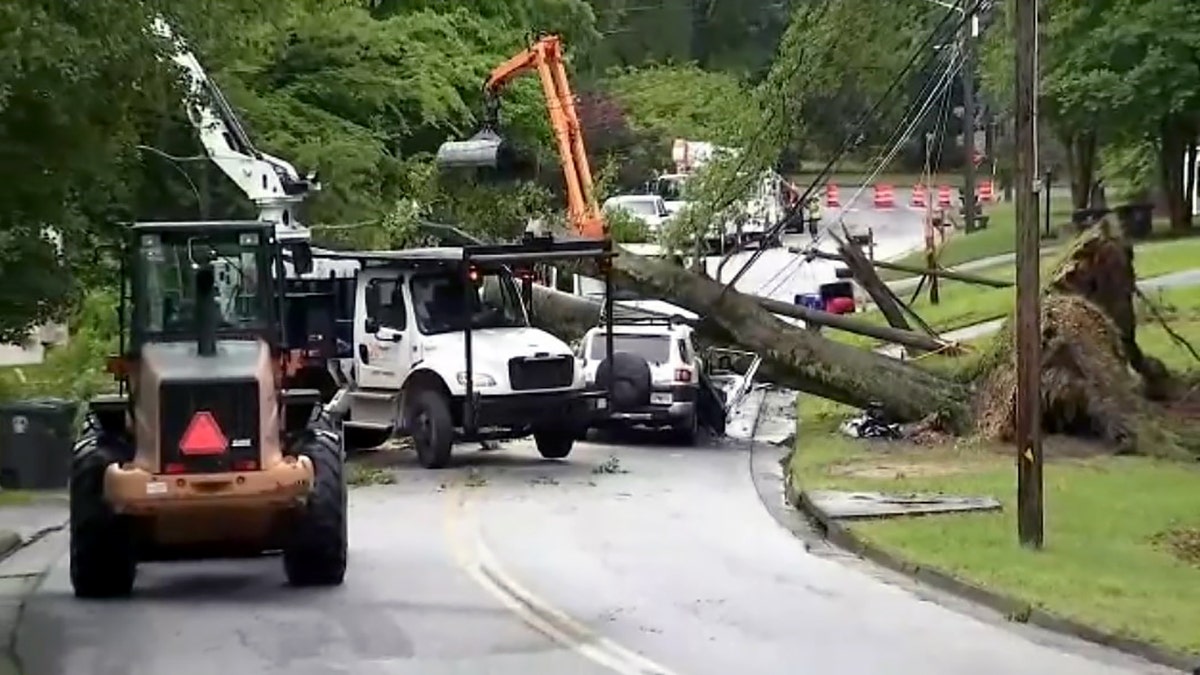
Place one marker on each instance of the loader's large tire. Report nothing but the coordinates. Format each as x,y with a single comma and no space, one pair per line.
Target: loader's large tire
432,428
103,547
316,551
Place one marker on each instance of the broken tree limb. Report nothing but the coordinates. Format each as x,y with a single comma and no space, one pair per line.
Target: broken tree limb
886,333
571,316
797,358
915,271
865,274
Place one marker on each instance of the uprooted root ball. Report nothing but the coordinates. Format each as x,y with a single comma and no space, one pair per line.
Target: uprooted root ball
1087,386
1095,380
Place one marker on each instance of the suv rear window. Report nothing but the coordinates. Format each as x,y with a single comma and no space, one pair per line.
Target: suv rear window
653,348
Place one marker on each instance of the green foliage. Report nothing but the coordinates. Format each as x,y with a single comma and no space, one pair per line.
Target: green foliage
625,228
1123,69
684,101
74,371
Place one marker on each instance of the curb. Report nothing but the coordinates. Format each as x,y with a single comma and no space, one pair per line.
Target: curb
12,604
10,543
1012,609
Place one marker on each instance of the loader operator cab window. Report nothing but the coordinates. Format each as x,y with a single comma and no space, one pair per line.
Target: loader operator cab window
442,304
165,282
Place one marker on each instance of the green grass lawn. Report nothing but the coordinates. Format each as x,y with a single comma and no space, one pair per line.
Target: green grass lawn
1122,534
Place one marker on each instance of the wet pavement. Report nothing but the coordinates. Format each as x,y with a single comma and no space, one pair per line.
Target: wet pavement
634,556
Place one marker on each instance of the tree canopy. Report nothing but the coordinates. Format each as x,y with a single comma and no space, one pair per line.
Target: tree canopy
94,133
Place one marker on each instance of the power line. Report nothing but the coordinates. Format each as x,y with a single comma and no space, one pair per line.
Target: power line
940,89
727,194
856,131
904,132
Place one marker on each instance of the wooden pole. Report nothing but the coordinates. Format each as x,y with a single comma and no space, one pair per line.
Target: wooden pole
1029,346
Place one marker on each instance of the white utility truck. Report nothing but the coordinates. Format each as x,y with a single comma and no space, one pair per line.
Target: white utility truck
444,351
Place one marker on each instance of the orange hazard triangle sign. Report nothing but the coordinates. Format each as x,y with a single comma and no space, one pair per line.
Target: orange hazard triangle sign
203,436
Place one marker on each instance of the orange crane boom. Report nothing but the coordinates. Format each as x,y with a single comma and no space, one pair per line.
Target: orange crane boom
545,56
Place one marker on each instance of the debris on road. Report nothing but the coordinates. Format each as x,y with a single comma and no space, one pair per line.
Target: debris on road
871,423
848,505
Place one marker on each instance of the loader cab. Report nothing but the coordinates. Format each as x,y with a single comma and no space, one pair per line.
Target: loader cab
167,259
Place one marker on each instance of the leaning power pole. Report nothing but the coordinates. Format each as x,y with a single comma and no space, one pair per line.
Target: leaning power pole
971,28
1029,346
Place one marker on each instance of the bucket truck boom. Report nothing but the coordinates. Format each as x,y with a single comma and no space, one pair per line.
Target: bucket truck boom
318,291
273,184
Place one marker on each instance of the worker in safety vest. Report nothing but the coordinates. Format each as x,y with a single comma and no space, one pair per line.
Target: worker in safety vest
814,215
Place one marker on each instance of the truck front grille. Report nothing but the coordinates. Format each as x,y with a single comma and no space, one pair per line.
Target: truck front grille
541,373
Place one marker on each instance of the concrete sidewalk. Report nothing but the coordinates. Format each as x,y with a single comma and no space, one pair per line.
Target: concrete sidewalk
27,549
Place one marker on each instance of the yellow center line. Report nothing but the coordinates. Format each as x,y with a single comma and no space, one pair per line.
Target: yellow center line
477,560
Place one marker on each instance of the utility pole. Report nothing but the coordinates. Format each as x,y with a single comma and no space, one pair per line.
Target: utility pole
931,261
700,55
971,28
1029,347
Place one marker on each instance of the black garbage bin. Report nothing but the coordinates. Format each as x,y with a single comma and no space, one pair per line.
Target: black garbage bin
36,437
1136,219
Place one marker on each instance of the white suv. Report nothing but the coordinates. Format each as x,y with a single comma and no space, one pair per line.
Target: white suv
655,374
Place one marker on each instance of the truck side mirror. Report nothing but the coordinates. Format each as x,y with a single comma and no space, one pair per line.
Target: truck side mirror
371,326
302,258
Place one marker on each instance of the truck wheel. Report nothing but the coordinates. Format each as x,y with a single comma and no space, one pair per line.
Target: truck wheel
103,554
554,443
315,554
432,429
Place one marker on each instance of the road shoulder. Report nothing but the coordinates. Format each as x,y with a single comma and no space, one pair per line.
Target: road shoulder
32,538
884,554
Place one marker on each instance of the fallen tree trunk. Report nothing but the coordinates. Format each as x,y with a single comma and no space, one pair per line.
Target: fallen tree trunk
570,316
1095,379
797,358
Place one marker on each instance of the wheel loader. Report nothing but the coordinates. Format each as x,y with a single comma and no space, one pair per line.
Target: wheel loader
204,452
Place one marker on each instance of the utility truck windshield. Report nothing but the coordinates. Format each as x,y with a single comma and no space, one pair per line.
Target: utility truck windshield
165,281
443,304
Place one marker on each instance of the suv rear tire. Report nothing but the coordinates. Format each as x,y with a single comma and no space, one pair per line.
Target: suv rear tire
688,429
432,428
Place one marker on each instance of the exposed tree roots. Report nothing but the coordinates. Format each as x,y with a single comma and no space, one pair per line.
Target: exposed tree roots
1096,382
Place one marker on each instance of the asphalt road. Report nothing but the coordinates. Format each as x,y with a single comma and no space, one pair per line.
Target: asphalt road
781,275
627,558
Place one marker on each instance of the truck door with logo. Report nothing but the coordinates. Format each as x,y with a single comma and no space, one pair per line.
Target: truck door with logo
383,340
